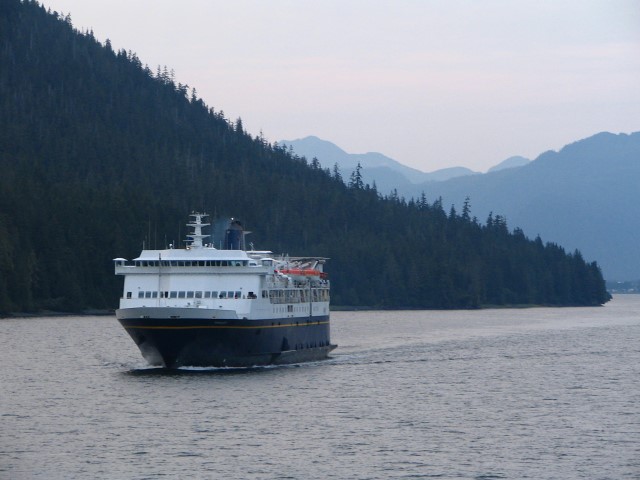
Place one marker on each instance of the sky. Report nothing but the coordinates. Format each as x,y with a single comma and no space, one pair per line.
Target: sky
431,84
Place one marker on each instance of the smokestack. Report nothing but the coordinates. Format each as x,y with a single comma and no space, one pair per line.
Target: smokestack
234,236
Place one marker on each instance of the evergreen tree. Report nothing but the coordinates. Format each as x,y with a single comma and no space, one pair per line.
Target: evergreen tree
355,180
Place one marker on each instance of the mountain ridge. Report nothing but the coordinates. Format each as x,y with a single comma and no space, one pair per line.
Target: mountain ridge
329,154
511,162
580,196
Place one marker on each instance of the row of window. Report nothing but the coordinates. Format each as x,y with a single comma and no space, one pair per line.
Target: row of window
191,263
275,296
297,296
191,294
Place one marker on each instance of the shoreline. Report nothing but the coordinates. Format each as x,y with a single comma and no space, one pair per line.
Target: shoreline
50,313
334,308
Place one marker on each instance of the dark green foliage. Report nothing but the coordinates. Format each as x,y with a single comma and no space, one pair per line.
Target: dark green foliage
100,156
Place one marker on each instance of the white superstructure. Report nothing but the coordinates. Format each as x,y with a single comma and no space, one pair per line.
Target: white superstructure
249,284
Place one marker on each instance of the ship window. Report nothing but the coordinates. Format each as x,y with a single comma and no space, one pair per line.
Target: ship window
189,294
198,294
181,294
223,294
207,294
173,294
238,294
140,294
128,294
229,294
154,295
147,294
214,294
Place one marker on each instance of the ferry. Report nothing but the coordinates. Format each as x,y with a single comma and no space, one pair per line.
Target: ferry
203,306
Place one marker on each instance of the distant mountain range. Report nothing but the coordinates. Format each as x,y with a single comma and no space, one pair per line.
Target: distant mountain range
585,196
387,173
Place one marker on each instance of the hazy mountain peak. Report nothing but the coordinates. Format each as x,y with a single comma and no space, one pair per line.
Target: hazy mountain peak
511,162
387,173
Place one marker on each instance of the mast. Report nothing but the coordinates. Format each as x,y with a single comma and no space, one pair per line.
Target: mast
196,237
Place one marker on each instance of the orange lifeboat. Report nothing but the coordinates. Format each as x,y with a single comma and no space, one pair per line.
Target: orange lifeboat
304,272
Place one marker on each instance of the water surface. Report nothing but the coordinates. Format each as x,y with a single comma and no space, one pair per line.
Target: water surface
510,393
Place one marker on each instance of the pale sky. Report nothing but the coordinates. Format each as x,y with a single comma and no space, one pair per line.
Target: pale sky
432,84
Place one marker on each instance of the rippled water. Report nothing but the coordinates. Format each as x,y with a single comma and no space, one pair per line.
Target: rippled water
536,393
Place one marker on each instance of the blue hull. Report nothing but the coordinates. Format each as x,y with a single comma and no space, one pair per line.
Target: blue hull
202,342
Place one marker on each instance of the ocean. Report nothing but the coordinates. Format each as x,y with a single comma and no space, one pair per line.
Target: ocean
540,393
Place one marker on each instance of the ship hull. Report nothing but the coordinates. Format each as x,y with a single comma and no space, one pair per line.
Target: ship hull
214,338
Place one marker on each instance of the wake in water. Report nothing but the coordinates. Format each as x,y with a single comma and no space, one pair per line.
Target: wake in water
193,371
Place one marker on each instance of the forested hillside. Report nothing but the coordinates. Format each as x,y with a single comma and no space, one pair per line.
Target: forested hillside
99,153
